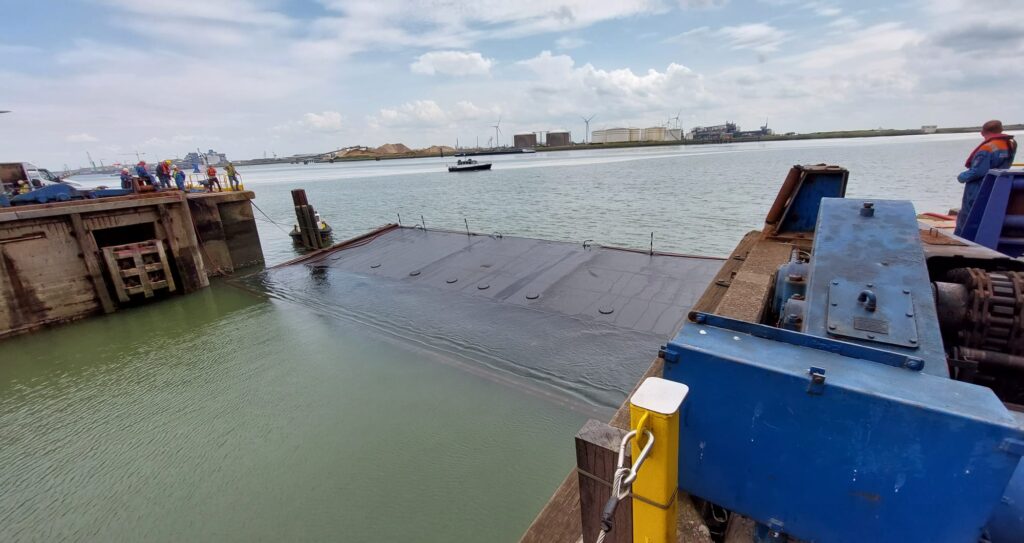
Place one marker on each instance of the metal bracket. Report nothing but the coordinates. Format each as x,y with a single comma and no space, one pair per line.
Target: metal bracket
851,350
816,385
1012,446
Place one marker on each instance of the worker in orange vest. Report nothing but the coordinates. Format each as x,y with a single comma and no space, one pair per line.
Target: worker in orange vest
997,151
211,174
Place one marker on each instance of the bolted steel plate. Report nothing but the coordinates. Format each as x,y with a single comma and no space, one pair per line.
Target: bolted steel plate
893,321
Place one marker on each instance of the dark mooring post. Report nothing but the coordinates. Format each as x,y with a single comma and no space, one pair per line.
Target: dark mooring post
305,216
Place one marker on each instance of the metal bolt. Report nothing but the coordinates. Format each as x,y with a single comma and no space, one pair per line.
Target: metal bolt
701,319
835,281
834,304
910,313
831,327
906,291
871,336
913,341
871,285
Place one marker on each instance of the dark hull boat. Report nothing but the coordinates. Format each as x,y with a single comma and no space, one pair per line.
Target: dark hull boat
469,165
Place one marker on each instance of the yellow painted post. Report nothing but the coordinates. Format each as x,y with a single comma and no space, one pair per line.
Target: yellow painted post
655,406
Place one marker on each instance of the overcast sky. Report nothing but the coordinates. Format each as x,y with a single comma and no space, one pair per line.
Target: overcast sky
287,76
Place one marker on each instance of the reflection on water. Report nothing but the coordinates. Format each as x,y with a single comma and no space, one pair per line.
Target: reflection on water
223,416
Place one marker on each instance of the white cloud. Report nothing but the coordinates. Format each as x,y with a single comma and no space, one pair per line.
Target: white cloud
452,63
358,25
560,87
570,42
83,137
328,121
428,113
759,37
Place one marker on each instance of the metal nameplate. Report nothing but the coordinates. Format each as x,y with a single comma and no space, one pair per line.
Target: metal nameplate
892,321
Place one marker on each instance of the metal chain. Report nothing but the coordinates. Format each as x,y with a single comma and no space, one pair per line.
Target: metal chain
622,485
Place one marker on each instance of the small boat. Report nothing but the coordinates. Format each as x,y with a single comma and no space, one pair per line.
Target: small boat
325,230
469,165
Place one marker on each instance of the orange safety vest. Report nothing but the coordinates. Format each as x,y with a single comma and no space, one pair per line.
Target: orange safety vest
211,172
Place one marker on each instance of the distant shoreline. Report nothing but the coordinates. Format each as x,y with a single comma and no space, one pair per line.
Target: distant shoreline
839,134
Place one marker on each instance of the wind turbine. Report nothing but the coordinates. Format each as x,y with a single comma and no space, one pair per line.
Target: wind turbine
497,132
586,121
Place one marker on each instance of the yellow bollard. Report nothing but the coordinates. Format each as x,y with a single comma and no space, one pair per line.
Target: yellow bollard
655,407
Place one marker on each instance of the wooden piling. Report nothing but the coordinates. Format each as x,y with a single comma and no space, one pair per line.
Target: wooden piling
305,217
597,451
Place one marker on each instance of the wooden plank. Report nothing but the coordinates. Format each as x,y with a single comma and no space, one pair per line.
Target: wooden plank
147,289
84,206
108,255
89,250
597,451
747,295
168,277
168,226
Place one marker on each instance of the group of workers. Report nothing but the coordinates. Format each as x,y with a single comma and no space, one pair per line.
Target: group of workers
167,171
995,152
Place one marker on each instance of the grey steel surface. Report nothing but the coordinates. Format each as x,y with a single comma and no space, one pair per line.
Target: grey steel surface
573,324
626,289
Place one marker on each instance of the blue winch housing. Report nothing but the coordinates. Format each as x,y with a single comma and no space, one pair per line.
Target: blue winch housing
850,429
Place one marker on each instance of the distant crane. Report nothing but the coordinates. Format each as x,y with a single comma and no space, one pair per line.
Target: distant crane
91,161
586,121
497,132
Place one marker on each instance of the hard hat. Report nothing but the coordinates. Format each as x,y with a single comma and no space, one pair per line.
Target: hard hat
167,161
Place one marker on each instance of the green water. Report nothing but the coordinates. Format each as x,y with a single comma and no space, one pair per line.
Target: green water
226,416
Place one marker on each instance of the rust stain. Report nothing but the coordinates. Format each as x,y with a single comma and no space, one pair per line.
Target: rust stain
868,496
25,303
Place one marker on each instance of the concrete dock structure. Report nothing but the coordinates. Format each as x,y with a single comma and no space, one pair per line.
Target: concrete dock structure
67,260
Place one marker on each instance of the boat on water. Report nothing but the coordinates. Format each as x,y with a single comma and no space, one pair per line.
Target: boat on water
323,228
469,165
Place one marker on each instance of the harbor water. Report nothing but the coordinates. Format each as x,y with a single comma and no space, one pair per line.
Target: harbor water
243,413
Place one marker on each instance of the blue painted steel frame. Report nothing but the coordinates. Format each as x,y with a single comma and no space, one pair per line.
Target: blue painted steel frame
874,452
882,249
802,213
985,221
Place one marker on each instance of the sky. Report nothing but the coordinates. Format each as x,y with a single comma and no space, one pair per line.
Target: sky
280,77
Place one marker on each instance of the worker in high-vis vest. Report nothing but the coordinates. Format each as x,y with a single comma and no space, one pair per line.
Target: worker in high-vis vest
995,152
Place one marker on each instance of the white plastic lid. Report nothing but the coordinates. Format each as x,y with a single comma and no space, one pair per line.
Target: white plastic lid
660,395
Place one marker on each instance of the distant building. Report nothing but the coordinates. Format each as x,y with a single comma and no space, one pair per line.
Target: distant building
929,128
210,157
726,132
653,133
525,140
611,135
560,138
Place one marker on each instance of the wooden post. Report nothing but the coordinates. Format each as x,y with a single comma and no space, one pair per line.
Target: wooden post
90,252
301,202
597,453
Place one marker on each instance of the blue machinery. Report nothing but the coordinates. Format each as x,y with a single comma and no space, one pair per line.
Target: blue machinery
997,218
862,417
